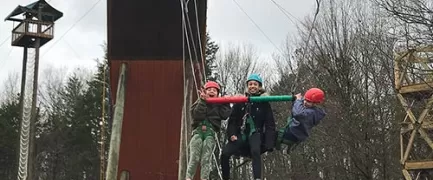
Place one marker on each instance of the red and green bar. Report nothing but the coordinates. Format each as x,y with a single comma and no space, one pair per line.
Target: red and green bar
244,99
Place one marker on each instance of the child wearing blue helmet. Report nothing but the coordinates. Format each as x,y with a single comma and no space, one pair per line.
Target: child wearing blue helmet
251,129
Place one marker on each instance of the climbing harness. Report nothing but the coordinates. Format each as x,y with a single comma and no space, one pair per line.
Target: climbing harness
247,121
280,135
204,134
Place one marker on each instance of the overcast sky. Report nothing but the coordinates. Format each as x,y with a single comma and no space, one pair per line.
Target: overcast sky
78,45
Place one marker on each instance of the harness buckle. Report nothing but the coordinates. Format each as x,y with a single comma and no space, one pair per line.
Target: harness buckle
244,120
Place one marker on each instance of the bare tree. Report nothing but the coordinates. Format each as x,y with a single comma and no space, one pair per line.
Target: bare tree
11,87
349,57
414,26
234,64
52,81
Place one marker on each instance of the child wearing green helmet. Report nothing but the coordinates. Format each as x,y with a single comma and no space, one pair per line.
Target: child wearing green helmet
206,122
251,129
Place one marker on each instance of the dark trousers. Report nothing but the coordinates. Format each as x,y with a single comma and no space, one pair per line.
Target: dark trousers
289,136
252,145
290,140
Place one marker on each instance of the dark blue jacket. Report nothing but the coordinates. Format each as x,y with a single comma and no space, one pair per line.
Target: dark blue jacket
304,119
263,118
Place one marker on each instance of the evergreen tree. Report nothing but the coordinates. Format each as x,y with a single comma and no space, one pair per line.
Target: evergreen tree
70,145
211,50
9,141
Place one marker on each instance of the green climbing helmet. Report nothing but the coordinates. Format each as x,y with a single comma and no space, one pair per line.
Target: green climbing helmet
255,77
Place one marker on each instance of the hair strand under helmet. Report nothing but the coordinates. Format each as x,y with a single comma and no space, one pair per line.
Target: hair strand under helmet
255,77
314,95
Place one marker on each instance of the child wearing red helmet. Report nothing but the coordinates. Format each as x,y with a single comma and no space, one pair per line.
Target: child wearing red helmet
206,122
305,116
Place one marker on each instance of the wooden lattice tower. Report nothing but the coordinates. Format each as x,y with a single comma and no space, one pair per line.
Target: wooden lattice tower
414,84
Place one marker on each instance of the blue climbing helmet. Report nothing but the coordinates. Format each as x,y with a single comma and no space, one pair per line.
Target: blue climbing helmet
255,77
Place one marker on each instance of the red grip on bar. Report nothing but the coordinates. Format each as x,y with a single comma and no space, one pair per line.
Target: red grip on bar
231,99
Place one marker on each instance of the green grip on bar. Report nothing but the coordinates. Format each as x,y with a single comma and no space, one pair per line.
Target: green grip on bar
271,98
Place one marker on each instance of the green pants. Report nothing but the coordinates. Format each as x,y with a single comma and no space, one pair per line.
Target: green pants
200,149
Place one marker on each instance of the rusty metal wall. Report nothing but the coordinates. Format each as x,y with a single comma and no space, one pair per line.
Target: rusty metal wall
151,125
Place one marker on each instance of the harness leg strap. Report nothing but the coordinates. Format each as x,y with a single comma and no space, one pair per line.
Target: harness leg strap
279,138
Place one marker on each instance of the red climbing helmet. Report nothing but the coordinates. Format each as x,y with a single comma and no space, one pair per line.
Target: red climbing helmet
212,84
314,95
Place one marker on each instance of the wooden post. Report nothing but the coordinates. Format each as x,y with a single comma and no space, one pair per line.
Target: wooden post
124,175
186,117
116,131
189,90
23,87
102,151
34,115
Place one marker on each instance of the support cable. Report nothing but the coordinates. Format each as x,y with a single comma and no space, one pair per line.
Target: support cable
200,42
293,88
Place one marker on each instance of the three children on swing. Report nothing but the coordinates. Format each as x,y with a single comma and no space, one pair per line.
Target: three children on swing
251,127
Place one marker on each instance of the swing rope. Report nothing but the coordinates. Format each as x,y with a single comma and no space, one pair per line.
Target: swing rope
188,36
